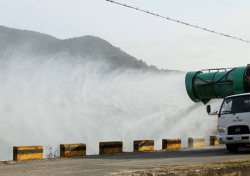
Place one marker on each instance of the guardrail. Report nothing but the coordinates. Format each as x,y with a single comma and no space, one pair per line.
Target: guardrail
110,147
171,144
71,150
196,142
27,152
143,145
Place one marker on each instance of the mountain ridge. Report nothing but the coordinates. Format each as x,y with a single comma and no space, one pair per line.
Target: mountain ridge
39,44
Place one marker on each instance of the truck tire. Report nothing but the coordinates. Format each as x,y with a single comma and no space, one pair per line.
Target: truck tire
232,147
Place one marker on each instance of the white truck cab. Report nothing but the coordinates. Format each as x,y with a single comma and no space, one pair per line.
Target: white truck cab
233,121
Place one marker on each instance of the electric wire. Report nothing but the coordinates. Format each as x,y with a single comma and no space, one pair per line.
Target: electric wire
234,6
181,22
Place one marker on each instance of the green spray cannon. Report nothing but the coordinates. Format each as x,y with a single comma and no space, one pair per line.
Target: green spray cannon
209,84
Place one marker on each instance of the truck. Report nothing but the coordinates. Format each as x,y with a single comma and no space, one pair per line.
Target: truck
233,121
233,86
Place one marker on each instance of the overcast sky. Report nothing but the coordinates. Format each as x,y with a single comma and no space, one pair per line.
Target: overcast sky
159,42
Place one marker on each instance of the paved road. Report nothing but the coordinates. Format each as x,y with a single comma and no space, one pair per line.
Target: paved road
109,164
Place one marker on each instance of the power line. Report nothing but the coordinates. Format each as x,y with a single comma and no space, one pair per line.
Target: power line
234,6
178,21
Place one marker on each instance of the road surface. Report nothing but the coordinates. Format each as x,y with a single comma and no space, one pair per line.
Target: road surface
99,165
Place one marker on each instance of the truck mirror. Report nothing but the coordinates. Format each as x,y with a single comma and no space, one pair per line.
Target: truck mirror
208,109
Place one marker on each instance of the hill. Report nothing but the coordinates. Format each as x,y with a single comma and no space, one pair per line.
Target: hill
32,43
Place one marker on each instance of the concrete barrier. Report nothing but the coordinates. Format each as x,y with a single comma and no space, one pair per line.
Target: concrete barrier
71,150
213,141
143,145
196,142
110,147
171,144
27,152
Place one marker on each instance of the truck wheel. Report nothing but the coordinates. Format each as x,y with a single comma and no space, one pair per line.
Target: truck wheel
232,148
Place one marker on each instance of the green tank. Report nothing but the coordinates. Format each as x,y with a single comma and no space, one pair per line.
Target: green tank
209,84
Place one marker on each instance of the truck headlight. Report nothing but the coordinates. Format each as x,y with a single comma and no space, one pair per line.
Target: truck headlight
221,129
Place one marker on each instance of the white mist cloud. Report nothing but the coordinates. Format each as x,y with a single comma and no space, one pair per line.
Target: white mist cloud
59,99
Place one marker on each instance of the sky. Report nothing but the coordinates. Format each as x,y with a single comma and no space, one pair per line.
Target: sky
162,43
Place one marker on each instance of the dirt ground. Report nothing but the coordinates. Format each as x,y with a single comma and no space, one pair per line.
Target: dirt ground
236,168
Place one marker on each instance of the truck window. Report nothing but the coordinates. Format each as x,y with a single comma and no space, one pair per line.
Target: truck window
247,103
236,105
226,106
